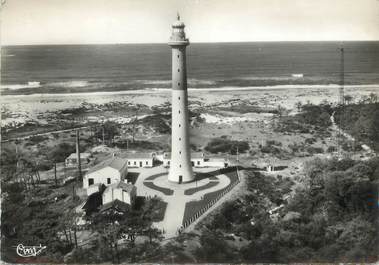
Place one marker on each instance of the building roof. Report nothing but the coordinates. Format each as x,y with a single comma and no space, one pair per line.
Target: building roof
127,187
82,155
115,205
217,160
118,163
167,155
93,202
197,155
137,155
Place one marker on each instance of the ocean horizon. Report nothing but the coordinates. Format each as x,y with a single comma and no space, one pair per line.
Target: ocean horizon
57,69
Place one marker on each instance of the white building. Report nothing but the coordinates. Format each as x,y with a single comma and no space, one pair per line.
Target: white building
110,171
72,160
198,159
139,159
94,188
124,192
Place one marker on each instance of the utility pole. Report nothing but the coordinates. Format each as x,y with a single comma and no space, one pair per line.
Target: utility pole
103,135
78,155
342,78
55,174
16,156
341,101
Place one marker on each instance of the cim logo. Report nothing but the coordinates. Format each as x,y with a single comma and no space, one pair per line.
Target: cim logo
29,251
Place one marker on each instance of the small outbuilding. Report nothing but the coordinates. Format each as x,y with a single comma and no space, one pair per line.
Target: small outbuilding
115,207
124,192
72,160
199,159
110,171
138,159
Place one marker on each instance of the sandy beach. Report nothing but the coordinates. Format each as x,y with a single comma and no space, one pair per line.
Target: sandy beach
18,109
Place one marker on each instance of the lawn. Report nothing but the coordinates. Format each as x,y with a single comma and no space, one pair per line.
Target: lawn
165,191
152,177
204,187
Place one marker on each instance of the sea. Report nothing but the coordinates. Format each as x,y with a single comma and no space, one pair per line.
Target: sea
51,69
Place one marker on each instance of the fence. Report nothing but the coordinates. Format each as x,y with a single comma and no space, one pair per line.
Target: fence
195,209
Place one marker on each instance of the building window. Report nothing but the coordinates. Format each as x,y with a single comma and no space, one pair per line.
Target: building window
178,84
178,56
135,162
198,162
179,111
128,163
180,125
90,181
180,139
108,180
168,162
180,152
147,162
178,70
179,98
180,165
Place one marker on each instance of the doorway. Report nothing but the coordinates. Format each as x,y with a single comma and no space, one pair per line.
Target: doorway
90,181
180,179
140,163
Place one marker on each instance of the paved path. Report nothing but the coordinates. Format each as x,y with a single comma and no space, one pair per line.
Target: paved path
175,203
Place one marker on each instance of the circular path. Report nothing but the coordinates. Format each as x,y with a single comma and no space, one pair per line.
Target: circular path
153,182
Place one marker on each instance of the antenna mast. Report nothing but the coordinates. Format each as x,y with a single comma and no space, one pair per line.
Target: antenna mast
342,78
341,102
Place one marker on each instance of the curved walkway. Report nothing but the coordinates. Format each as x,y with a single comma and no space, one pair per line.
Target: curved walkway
165,191
204,187
152,181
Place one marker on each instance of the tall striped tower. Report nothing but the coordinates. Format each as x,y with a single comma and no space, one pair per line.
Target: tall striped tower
180,165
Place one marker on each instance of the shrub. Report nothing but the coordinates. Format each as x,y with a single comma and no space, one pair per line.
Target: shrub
315,150
331,149
220,145
273,142
310,140
38,138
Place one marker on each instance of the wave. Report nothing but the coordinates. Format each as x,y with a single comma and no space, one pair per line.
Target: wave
70,84
197,90
152,82
277,87
37,84
274,78
194,82
31,84
155,86
191,81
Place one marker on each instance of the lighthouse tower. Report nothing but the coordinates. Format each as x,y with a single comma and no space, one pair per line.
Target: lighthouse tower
180,165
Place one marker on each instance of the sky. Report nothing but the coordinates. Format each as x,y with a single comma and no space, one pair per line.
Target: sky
148,21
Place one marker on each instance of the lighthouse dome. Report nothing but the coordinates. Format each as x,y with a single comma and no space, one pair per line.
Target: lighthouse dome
178,24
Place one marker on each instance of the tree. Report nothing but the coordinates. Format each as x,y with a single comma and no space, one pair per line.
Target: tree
61,152
225,145
373,97
8,161
134,122
298,105
214,249
348,99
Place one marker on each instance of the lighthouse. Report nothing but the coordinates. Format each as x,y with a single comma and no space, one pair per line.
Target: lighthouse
180,165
